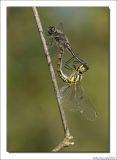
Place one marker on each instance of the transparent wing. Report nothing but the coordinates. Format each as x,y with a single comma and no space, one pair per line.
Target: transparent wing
51,43
60,26
75,99
72,63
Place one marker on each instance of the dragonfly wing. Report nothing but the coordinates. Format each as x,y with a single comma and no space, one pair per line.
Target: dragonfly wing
68,98
75,99
85,106
63,93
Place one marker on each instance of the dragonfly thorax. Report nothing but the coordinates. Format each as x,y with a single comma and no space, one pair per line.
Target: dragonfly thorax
75,77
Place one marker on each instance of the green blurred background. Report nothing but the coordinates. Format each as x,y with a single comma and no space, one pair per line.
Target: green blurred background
33,119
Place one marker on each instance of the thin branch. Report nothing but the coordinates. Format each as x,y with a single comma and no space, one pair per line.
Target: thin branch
65,143
68,137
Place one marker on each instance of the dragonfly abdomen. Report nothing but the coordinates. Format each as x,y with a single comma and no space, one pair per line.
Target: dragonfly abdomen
73,78
59,66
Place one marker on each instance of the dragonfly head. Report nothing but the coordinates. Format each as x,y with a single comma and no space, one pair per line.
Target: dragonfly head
82,68
51,30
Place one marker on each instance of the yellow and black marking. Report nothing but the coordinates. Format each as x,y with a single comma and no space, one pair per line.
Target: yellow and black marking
82,68
75,77
59,66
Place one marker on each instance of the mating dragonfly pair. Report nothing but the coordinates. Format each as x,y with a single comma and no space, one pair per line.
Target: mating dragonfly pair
72,94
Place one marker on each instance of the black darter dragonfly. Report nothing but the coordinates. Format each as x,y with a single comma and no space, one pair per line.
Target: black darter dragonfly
63,44
72,93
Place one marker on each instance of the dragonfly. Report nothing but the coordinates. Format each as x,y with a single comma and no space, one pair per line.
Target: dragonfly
63,44
72,94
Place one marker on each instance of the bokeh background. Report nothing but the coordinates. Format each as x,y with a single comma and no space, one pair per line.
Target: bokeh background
33,119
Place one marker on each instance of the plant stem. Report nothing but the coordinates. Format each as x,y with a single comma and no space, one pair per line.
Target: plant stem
68,137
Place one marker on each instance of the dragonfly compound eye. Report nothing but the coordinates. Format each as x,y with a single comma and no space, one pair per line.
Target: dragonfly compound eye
86,66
